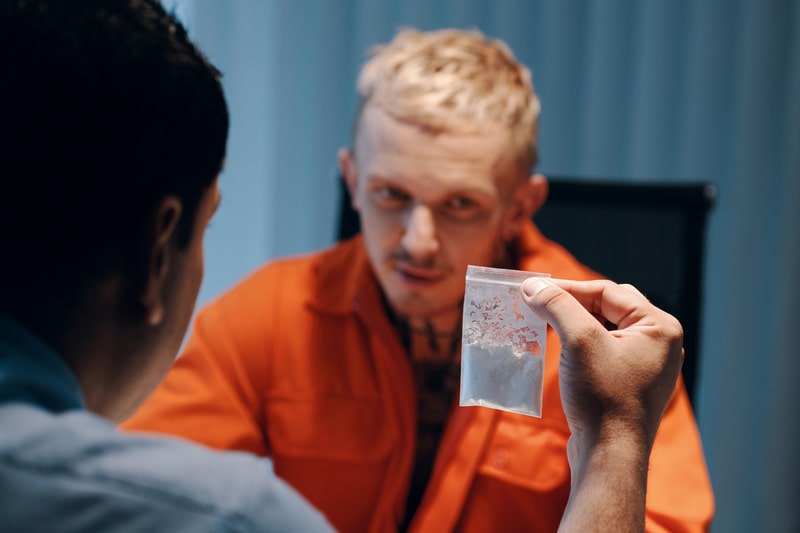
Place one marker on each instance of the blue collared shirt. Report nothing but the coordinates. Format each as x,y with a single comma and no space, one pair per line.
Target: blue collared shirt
63,468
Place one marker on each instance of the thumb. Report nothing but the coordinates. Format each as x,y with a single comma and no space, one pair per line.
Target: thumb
558,307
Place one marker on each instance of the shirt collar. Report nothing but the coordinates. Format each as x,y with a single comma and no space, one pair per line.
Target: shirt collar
32,372
344,279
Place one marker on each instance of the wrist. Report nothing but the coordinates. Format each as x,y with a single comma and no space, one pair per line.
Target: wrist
613,440
609,479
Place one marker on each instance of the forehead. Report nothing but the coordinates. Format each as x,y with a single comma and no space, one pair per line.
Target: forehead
394,150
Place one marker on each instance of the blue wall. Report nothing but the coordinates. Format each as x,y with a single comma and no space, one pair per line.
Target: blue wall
641,90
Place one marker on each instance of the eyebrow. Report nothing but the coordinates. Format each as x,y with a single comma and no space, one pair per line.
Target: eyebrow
380,177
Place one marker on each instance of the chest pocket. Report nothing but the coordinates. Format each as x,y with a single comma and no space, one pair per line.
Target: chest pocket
527,453
329,428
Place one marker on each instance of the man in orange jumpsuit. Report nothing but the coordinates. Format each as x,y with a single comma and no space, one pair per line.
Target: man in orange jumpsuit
342,366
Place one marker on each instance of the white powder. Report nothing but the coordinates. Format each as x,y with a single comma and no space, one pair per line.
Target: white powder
496,376
503,343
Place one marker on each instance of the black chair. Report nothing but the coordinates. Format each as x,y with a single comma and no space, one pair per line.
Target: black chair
651,235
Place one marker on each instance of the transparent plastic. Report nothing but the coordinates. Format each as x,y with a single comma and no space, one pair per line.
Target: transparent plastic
503,343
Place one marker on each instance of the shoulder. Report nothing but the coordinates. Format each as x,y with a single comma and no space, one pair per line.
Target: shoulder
275,274
324,279
260,298
300,274
62,460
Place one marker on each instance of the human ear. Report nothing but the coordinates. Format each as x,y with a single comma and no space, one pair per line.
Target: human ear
528,199
347,166
537,194
160,247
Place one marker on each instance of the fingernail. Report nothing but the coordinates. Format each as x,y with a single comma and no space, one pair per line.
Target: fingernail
533,285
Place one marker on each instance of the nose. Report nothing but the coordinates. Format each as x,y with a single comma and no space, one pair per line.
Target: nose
419,239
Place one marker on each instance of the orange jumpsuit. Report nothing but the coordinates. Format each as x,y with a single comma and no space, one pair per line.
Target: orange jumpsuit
300,363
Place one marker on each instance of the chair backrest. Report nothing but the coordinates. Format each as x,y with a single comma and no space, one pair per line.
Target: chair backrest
651,235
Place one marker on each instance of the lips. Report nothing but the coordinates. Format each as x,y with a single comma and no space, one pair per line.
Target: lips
419,276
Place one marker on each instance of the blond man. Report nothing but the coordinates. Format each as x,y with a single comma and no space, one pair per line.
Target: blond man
342,366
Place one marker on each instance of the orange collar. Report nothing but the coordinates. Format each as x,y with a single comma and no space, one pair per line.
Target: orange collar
344,278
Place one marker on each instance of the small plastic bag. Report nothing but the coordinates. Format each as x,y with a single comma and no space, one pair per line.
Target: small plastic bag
503,343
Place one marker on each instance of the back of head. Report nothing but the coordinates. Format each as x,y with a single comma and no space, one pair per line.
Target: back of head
456,81
106,107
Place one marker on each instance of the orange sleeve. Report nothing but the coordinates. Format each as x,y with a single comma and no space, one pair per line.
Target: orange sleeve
679,494
211,395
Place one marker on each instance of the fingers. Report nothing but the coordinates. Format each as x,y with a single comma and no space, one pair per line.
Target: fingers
622,305
559,308
631,288
568,305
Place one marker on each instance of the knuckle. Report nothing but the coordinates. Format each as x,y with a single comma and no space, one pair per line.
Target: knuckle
551,297
673,329
630,288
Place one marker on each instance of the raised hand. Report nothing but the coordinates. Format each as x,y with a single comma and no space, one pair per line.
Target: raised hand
615,384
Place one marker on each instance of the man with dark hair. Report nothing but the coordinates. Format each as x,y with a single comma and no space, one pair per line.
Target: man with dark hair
113,133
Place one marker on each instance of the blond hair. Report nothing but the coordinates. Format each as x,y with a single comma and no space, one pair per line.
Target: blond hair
456,81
